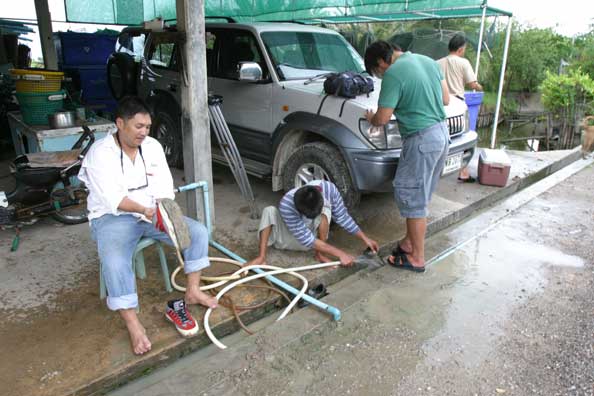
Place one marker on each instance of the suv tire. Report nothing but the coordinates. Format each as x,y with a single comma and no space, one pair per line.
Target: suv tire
166,129
121,75
327,160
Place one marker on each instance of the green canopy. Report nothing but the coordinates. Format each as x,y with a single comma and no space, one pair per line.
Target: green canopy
134,12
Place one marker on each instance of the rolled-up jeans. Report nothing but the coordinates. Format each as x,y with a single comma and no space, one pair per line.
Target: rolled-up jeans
117,237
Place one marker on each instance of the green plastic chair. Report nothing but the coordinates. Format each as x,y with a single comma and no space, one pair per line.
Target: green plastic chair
139,267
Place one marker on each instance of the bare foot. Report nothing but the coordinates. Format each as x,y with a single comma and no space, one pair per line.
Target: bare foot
321,258
138,339
196,296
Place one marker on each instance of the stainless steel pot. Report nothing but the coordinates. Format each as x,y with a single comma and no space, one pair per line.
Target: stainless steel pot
62,119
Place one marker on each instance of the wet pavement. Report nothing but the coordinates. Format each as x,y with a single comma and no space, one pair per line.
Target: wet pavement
508,312
62,339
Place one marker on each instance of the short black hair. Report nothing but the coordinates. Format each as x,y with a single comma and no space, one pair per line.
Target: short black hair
456,42
378,50
309,201
129,106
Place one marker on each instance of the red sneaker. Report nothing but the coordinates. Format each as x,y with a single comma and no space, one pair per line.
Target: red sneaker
178,314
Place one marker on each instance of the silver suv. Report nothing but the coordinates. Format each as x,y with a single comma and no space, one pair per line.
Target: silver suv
271,76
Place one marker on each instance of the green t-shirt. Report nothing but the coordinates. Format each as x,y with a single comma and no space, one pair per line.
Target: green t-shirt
412,87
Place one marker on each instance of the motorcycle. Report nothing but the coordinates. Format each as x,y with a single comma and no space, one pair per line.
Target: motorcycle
46,184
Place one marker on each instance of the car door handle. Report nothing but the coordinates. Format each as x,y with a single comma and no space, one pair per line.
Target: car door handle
172,87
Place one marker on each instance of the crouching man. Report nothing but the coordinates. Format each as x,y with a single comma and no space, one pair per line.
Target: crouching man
126,173
302,222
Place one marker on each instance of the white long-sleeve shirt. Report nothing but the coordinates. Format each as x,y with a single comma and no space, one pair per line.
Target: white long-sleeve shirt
110,180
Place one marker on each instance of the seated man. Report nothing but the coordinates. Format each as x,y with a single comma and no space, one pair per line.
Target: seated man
304,212
126,173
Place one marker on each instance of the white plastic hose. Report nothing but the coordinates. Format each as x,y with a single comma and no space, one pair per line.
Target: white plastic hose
275,271
220,280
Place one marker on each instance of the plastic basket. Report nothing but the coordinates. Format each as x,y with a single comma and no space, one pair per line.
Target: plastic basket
35,107
36,81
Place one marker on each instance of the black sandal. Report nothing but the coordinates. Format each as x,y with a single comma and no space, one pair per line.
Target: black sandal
468,179
316,292
404,263
398,251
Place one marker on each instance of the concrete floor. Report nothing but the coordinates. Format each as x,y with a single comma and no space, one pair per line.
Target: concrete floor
507,313
60,336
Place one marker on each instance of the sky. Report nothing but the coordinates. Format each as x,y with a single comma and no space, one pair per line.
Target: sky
567,17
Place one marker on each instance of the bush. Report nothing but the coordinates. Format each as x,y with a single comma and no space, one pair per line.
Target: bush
564,93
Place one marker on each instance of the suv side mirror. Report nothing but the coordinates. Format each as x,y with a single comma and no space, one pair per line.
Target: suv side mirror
249,71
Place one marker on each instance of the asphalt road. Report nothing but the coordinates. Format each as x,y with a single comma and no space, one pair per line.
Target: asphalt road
510,312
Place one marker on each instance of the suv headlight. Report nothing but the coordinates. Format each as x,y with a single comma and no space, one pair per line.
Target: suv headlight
383,137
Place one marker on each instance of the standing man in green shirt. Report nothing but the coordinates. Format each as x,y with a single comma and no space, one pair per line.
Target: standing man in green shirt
413,88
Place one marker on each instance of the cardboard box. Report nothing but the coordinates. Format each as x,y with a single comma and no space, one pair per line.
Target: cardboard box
493,167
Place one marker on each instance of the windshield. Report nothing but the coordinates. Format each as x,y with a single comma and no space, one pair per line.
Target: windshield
301,55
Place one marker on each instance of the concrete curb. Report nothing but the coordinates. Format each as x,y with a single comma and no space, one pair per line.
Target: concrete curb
169,354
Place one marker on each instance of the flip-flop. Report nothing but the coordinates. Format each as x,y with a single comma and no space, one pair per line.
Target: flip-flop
316,292
398,251
404,263
468,179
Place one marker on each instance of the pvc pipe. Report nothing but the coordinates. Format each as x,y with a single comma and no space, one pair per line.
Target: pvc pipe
501,78
276,271
335,312
480,43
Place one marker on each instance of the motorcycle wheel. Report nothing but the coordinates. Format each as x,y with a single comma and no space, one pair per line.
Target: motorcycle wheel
67,213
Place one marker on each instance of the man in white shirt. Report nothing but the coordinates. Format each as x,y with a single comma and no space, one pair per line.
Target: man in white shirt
459,75
126,173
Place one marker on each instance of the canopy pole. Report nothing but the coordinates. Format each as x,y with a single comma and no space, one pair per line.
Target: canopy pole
195,125
480,42
501,79
44,24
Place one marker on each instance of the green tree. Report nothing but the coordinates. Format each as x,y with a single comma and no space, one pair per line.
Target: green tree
584,53
532,53
568,97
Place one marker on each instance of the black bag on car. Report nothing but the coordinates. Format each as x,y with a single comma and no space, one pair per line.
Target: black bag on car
347,84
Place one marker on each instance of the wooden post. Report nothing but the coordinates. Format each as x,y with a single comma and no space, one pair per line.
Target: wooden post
195,124
44,23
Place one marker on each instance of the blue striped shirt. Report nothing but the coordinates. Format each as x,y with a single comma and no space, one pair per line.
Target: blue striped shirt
297,223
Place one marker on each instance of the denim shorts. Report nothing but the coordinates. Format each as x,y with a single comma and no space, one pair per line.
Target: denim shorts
419,168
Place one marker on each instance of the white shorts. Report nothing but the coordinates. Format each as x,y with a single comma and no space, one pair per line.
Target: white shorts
280,236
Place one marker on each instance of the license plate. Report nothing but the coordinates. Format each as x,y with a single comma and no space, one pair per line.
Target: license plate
452,164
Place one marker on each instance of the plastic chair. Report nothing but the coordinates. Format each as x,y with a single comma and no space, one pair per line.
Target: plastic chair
138,265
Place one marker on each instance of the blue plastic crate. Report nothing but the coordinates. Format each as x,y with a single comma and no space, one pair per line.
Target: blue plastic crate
85,48
90,80
93,83
101,106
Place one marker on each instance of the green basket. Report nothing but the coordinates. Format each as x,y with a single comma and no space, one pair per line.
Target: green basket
35,107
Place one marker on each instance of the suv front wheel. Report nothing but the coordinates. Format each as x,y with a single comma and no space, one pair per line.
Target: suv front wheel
320,161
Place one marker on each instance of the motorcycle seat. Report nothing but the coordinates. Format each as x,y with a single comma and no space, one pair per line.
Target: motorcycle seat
55,159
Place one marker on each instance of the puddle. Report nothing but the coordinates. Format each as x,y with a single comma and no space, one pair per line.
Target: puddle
489,277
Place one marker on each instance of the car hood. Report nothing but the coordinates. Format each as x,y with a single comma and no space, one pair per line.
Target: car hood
361,103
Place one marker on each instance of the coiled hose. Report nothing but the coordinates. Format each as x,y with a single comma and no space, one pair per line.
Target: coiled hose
238,280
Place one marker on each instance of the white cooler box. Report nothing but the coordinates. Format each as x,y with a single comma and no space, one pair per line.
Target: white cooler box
493,167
